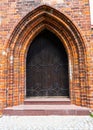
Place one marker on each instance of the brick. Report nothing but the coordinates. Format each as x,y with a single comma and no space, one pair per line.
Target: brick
66,17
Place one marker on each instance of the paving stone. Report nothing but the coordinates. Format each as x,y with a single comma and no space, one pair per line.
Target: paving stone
46,123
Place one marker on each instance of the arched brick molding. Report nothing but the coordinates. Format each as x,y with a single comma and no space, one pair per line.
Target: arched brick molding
45,17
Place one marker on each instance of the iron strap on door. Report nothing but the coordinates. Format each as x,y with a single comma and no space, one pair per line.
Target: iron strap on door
56,88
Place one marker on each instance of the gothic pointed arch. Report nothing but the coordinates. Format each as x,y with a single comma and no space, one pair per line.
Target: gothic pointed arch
46,17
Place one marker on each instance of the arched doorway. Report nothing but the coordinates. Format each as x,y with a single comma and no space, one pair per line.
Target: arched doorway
45,17
47,67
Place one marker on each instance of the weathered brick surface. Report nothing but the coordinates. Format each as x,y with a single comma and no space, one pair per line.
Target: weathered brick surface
15,37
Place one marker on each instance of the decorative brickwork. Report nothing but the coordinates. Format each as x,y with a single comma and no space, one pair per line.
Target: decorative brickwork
22,22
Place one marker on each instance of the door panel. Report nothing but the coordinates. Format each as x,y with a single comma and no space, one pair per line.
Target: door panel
47,67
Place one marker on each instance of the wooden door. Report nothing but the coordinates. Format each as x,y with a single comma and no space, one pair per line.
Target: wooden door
47,67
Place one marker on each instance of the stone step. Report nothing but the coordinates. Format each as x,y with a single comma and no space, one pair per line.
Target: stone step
37,110
47,101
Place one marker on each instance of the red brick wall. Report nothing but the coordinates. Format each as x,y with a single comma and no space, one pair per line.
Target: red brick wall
76,34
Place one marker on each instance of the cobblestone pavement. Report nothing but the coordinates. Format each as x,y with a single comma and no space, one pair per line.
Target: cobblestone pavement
46,123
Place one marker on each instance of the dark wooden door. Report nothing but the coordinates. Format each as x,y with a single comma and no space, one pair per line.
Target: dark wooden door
47,67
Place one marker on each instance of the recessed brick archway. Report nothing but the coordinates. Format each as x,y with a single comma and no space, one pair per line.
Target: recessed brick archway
45,17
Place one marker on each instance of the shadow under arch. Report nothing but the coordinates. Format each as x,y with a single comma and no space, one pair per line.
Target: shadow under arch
46,17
